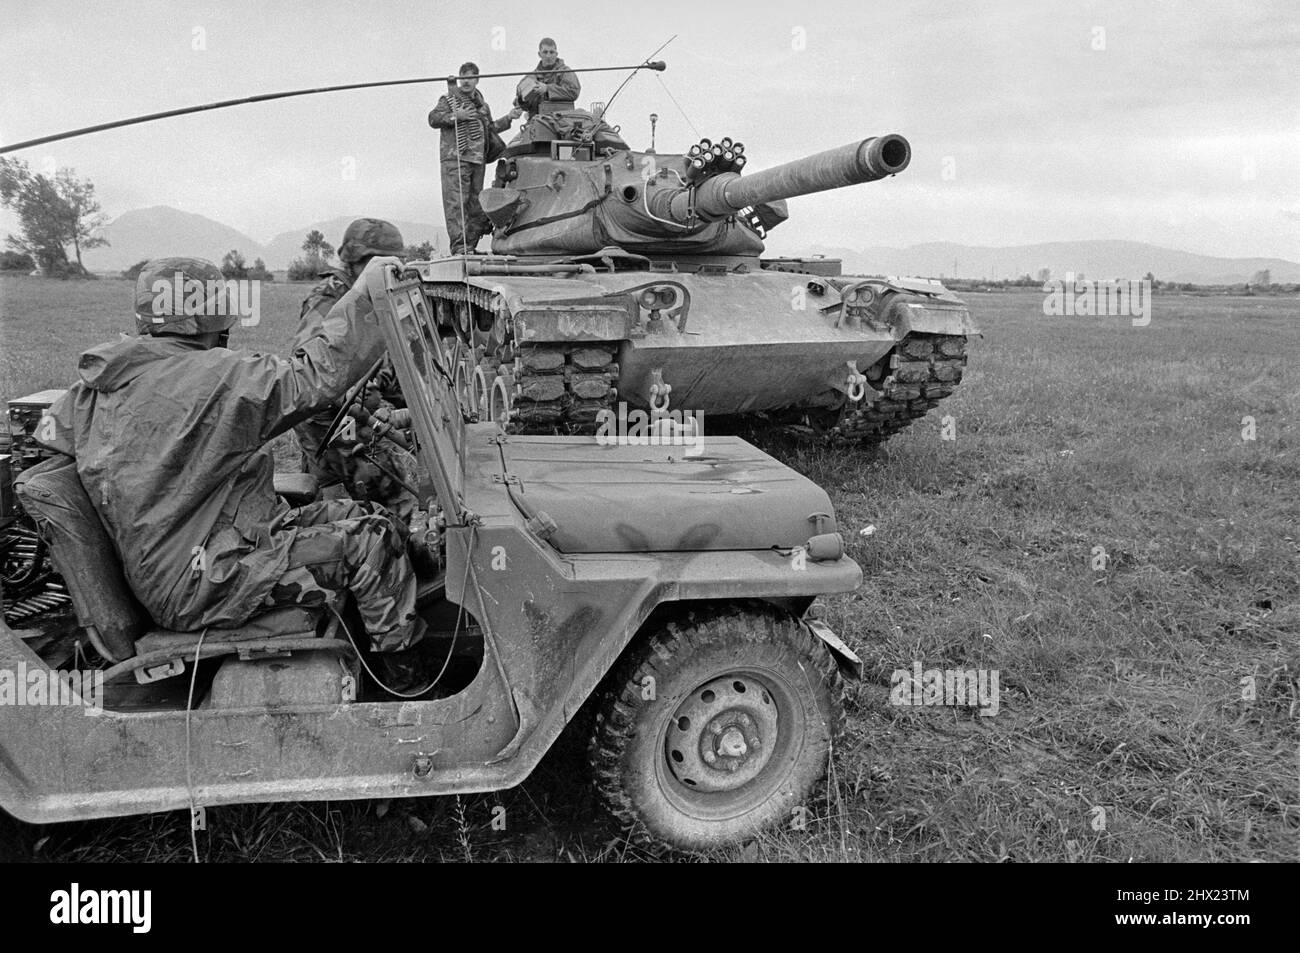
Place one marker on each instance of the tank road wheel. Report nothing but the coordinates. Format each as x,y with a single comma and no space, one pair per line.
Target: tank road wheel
716,727
499,403
462,375
481,386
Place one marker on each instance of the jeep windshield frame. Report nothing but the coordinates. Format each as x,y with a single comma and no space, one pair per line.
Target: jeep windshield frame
422,363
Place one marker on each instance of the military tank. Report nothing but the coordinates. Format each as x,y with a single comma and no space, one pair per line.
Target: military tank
624,276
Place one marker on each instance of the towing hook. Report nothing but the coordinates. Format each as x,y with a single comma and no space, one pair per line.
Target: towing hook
659,391
856,384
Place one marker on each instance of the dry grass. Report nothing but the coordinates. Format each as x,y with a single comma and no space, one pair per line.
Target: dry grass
1121,688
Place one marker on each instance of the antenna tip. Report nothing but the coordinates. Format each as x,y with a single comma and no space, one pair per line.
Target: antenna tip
658,66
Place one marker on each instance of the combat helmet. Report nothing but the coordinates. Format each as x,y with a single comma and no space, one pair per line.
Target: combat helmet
185,296
370,236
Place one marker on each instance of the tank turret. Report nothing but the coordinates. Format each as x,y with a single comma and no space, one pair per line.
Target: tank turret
575,195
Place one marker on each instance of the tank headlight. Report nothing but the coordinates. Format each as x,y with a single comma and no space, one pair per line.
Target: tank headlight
649,299
859,296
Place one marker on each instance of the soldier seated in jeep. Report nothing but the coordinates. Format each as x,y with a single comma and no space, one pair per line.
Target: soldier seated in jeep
169,431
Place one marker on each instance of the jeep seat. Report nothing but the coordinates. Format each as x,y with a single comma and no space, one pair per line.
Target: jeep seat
82,552
289,622
628,499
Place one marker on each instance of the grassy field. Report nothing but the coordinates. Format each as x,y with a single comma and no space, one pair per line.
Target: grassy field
1149,700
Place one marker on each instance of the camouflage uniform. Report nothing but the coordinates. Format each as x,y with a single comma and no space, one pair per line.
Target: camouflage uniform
331,467
338,545
170,436
360,478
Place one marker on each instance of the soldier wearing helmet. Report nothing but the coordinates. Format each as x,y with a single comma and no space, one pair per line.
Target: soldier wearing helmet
336,470
170,430
362,240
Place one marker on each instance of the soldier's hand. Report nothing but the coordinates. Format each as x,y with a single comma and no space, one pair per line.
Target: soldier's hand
464,115
515,113
381,261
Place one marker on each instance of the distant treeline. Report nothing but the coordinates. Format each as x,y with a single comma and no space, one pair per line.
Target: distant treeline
1029,282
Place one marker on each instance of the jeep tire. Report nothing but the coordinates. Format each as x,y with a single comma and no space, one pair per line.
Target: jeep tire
716,726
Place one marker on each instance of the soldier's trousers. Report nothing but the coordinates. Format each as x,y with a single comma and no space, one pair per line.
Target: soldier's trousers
461,183
347,545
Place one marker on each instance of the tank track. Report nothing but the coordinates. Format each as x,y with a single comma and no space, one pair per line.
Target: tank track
920,371
552,386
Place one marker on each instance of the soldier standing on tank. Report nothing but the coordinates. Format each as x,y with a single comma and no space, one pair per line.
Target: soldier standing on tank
335,468
552,81
464,118
169,430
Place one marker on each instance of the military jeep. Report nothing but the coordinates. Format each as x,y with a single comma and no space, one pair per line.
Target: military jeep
670,589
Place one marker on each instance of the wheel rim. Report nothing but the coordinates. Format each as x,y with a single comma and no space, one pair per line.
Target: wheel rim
731,744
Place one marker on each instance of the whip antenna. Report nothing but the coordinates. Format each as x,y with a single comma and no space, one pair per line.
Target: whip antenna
265,97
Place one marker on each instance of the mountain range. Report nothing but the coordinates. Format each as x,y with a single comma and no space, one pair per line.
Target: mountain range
162,230
1093,259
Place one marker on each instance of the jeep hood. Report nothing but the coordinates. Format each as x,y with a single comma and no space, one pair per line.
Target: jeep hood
628,499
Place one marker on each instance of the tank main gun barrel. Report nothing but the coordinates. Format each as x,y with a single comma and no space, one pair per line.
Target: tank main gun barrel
727,193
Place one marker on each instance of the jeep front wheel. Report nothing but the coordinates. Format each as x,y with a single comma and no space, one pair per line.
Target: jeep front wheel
716,727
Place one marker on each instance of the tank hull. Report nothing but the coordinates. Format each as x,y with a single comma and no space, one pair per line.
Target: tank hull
723,344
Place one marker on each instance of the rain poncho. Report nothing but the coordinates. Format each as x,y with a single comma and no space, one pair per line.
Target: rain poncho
170,442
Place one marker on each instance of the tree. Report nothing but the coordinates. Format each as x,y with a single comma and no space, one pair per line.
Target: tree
421,252
316,247
1044,275
16,261
83,215
52,214
233,265
259,271
42,216
303,269
1261,278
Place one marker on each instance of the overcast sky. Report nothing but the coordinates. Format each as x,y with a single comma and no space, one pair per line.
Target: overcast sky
1173,123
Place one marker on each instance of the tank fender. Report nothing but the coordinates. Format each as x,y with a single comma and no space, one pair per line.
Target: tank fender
908,313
